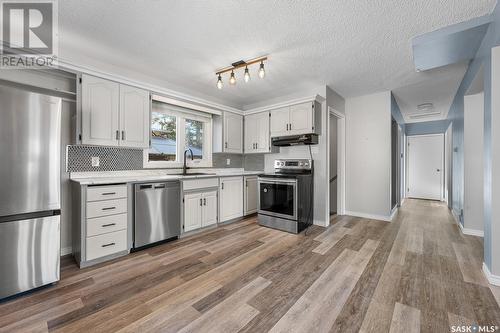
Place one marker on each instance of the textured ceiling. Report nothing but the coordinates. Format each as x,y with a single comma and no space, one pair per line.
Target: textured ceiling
437,86
356,47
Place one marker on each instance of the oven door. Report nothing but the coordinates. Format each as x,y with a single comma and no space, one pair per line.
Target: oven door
278,197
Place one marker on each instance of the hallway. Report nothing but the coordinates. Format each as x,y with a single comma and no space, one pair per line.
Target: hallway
416,274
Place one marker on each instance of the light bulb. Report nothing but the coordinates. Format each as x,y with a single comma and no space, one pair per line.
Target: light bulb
262,72
247,75
219,82
232,79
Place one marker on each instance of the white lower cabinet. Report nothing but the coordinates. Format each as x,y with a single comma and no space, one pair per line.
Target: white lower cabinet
209,208
250,204
200,210
101,223
106,244
192,211
231,198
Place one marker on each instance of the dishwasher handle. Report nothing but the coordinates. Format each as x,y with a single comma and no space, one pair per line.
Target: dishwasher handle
156,186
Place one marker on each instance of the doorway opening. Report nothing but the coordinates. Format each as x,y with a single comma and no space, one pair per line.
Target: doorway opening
336,153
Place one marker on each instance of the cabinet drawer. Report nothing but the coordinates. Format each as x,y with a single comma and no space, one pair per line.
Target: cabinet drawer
194,184
105,208
103,225
106,192
103,245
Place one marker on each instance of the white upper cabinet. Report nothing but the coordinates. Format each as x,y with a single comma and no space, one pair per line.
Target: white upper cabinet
279,121
257,133
301,119
114,114
134,117
100,111
231,198
228,133
296,119
233,133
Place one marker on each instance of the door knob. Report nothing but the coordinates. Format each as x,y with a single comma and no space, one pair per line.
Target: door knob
438,170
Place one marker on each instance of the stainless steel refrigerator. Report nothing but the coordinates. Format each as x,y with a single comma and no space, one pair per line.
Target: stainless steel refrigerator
30,139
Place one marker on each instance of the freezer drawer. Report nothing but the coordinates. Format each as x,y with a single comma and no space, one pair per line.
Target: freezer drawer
29,254
157,212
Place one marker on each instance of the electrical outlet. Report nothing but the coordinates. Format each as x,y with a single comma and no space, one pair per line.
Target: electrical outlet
228,161
95,161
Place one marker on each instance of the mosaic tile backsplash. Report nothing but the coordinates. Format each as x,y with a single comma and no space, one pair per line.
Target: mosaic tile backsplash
79,159
111,159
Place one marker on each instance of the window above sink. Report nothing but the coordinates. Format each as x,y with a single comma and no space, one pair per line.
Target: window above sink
174,129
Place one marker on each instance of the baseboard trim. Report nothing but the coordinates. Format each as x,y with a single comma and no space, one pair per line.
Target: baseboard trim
466,231
66,251
492,279
369,216
472,232
394,212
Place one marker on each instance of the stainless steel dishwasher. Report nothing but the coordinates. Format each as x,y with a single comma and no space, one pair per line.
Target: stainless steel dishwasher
157,212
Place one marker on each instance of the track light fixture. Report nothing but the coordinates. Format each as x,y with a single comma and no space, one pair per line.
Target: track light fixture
262,72
219,82
247,75
232,79
241,64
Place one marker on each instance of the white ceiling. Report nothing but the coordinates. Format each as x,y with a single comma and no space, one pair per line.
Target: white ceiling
356,47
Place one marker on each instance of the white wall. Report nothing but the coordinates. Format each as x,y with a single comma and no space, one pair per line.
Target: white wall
368,155
473,161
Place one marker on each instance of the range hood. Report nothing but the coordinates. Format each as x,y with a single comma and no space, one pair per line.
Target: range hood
295,140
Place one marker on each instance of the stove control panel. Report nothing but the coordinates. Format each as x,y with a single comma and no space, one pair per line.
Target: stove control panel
293,164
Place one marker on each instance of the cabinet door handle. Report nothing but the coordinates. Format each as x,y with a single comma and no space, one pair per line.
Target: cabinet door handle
108,193
117,135
290,127
287,127
108,225
123,135
225,145
222,185
256,145
109,208
201,202
106,245
204,201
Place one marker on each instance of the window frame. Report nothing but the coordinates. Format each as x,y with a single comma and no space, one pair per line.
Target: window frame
181,115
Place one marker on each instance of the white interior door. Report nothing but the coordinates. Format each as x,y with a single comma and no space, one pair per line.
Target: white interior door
425,166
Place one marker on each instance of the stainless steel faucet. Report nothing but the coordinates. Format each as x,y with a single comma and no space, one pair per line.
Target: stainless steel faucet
184,168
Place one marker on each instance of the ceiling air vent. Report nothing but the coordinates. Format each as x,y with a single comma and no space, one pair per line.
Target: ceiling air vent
424,110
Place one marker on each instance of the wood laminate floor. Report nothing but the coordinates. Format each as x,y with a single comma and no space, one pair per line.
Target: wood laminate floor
416,274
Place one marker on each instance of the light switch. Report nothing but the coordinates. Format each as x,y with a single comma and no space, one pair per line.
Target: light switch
95,161
228,161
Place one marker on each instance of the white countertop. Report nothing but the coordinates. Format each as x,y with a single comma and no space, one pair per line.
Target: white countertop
114,177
